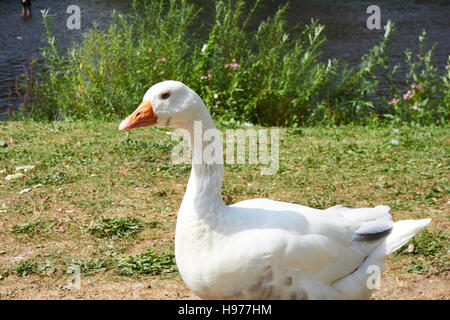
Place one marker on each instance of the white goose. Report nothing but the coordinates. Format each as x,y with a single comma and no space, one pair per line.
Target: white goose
265,249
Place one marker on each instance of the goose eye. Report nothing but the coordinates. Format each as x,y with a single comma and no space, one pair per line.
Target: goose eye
165,95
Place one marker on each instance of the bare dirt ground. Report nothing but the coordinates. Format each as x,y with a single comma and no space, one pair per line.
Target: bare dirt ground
95,287
148,288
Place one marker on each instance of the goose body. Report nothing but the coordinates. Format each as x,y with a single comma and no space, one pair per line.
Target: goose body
260,248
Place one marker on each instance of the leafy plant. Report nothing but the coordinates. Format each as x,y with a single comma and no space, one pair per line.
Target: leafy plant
88,266
31,227
423,97
27,267
147,263
417,267
117,227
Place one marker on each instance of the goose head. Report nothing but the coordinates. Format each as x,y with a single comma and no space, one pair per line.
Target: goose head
167,104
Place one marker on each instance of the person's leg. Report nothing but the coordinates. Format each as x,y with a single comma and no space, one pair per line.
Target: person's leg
29,7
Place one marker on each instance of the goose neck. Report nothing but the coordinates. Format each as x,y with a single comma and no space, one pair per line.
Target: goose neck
204,190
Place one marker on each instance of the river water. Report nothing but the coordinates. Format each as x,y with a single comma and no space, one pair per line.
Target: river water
348,36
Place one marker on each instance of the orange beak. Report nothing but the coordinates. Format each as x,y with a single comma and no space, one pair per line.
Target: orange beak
143,116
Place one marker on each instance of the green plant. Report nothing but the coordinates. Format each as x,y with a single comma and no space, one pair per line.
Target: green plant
424,96
32,227
88,266
27,267
417,267
117,227
147,263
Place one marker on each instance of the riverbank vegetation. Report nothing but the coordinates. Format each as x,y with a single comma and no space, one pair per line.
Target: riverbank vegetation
271,75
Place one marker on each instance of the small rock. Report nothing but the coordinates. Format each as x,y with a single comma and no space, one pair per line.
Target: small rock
15,176
24,168
25,190
410,248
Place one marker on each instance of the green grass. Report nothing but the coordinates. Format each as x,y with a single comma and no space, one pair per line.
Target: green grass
119,202
429,244
28,227
429,250
88,266
117,227
147,263
27,267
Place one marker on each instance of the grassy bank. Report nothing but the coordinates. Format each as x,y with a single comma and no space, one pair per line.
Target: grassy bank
105,203
269,75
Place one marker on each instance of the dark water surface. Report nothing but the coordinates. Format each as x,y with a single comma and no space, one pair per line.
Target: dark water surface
345,21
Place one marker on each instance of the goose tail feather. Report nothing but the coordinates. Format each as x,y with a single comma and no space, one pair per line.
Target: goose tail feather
360,283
